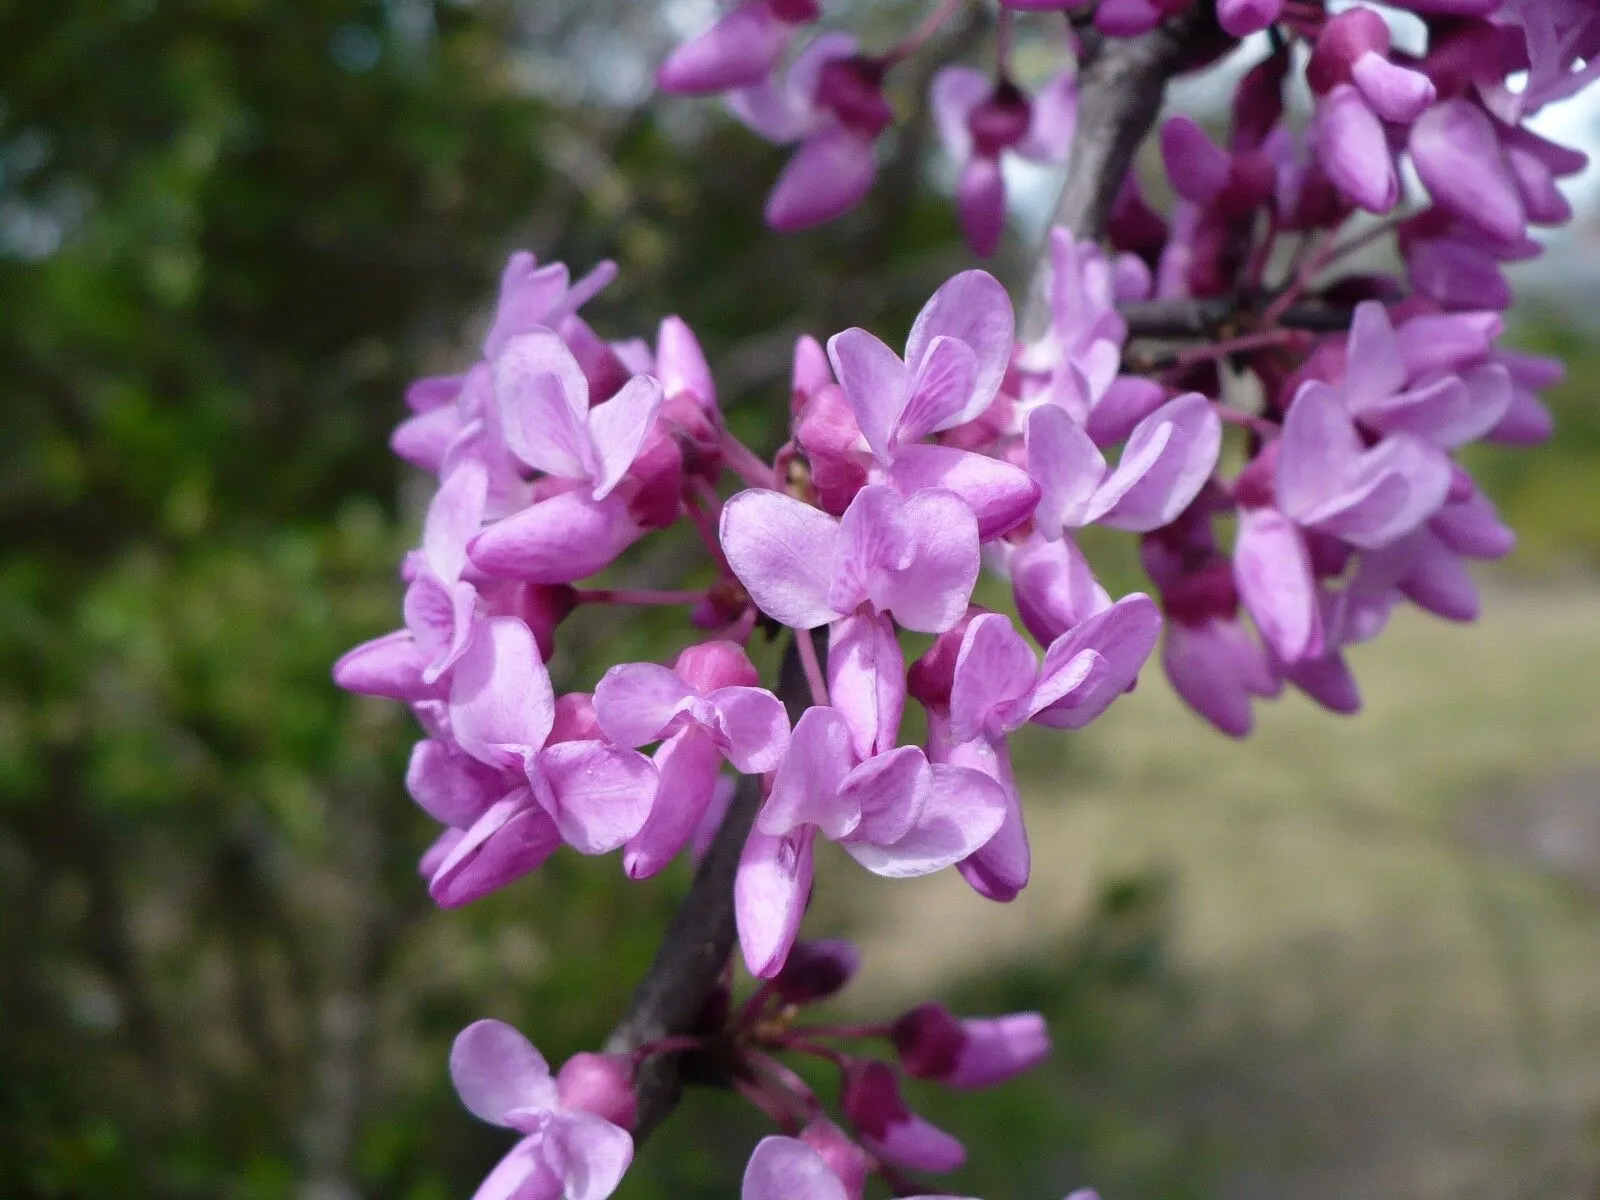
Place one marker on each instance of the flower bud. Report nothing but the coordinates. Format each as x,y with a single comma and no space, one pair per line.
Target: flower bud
708,666
1344,39
853,89
971,1053
932,675
871,1099
816,970
1001,121
600,1084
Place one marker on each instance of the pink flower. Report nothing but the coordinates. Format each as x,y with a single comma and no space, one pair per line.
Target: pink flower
522,793
706,710
785,1168
972,1052
565,1151
740,50
916,558
895,813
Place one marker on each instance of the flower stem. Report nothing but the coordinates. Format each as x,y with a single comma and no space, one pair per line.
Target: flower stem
746,463
813,667
914,40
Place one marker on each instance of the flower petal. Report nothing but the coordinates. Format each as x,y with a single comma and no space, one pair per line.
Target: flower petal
769,896
867,680
618,429
995,671
559,540
962,810
601,794
974,308
501,705
634,702
495,1069
785,1168
1001,496
588,1152
512,838
876,383
785,553
805,790
543,401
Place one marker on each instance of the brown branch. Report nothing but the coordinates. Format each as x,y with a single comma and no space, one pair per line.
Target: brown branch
1225,316
1121,82
694,952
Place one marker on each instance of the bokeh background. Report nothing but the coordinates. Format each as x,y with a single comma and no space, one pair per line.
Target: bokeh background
1348,957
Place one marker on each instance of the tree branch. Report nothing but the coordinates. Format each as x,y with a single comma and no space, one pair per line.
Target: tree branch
1222,316
694,952
1121,82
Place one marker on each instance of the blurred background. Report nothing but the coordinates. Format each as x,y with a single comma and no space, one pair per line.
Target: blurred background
1348,957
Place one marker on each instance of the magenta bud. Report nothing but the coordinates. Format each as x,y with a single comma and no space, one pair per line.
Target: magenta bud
853,89
870,1097
1344,39
600,1084
795,12
816,970
844,1158
810,374
929,1041
1001,121
716,664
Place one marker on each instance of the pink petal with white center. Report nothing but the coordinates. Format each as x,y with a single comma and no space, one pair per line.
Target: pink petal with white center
971,307
805,790
753,725
600,795
450,786
769,896
560,540
939,391
995,671
686,765
635,702
1353,150
1395,93
876,383
496,1070
618,429
888,791
827,176
589,1153
785,1168
501,705
1121,636
785,553
930,592
1374,370
1068,468
1167,460
1001,496
543,401
867,680
512,838
1457,153
1273,570
954,93
962,810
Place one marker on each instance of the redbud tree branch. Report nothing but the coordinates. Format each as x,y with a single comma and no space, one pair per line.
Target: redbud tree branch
694,952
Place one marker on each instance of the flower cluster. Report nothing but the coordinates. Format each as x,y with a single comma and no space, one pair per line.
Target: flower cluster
1452,110
575,1124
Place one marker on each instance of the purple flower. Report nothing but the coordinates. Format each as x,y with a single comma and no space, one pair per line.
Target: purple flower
916,558
517,794
740,50
706,710
979,120
871,1098
786,1168
542,398
1169,456
565,1151
969,1053
897,814
831,102
956,357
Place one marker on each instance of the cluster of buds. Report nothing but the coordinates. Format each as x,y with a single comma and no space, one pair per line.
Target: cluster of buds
575,1124
1451,109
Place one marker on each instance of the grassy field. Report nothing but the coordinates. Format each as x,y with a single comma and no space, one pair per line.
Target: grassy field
1381,934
